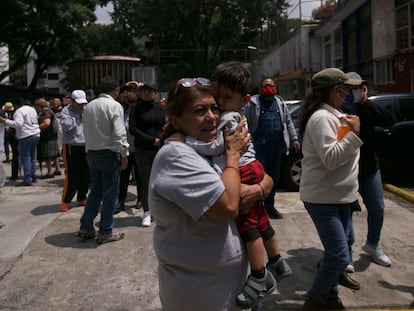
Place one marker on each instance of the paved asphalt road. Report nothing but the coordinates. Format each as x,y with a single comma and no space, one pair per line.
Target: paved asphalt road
43,266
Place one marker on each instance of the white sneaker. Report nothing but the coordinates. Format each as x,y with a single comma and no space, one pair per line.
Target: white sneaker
146,219
377,254
350,268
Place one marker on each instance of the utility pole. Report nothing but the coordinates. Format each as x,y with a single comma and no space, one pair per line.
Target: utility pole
300,34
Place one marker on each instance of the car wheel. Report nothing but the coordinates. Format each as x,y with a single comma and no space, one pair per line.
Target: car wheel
292,170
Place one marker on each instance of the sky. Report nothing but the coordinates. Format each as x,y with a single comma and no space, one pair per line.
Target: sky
293,12
306,5
102,14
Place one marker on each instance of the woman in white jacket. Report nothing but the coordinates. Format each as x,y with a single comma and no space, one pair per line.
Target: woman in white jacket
329,180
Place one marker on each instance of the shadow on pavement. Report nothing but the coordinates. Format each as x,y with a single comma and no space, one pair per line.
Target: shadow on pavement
45,209
70,240
292,290
401,288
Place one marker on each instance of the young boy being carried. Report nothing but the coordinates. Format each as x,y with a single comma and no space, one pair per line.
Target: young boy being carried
233,83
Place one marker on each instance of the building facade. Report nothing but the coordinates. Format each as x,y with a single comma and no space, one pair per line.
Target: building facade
372,37
87,74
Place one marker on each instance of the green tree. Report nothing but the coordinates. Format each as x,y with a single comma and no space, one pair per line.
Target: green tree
49,28
107,40
197,30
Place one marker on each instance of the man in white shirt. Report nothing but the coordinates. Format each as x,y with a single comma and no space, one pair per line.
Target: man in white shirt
107,152
28,133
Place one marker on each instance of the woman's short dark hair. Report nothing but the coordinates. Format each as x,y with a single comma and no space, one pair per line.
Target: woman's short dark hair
108,84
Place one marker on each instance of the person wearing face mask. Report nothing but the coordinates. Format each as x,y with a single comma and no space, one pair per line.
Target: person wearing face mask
146,122
370,183
272,131
329,180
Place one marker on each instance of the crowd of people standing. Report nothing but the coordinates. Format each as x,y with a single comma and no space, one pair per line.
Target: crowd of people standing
209,181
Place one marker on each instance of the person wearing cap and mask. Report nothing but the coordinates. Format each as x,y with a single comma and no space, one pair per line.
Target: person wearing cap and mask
146,122
272,131
329,180
73,151
370,182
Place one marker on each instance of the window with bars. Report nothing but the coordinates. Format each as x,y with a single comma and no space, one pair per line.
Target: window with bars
405,25
384,70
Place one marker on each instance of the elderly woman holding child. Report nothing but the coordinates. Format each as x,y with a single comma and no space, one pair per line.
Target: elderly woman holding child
202,263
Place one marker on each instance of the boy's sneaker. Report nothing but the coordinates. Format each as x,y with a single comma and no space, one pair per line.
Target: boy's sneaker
109,237
377,254
146,219
280,269
64,207
86,234
255,289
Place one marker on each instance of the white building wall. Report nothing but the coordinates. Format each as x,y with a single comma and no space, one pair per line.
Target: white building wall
53,76
4,62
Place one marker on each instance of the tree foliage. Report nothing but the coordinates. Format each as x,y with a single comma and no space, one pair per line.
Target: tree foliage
49,28
199,30
107,40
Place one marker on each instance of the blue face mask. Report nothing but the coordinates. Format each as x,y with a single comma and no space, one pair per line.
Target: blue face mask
349,105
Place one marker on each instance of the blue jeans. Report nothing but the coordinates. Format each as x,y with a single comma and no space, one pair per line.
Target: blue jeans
27,153
370,188
104,174
269,153
331,222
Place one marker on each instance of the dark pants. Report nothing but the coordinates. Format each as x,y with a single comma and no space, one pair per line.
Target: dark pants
14,143
124,179
76,173
270,154
144,159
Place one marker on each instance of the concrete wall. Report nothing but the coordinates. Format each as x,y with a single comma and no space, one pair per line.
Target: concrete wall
383,28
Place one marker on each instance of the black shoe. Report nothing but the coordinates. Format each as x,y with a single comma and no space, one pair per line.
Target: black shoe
347,281
332,303
47,176
120,208
86,234
110,237
274,214
13,178
311,305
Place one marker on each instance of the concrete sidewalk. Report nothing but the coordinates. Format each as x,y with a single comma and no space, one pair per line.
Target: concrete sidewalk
43,265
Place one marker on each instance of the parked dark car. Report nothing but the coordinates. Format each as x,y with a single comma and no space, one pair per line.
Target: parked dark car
291,167
394,144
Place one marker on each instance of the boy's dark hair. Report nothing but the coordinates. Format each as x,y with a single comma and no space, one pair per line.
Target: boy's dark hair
234,76
108,84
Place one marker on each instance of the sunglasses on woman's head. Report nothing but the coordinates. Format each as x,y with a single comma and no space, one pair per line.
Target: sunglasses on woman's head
190,82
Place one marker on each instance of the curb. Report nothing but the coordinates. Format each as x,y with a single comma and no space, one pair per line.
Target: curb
408,195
